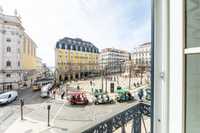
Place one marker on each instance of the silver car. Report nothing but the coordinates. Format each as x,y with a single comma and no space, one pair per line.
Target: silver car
8,97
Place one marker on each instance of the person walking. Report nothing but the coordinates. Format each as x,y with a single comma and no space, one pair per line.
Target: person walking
63,94
54,93
141,94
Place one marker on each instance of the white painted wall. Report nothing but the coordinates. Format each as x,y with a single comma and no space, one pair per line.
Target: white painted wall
15,33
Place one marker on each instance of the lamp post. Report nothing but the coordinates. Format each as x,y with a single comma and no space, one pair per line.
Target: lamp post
130,72
106,80
102,77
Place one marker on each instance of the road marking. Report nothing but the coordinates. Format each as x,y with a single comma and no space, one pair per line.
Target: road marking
57,113
45,102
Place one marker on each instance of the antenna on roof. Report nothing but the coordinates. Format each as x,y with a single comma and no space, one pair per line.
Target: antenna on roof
1,9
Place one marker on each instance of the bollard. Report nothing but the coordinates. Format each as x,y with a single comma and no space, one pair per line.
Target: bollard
48,109
21,106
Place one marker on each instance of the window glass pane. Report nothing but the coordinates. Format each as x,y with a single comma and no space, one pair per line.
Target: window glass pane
193,93
193,22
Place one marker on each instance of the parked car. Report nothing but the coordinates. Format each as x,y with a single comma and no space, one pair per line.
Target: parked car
103,99
78,97
123,95
8,97
45,90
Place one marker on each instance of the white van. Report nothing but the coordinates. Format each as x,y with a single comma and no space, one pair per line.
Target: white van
45,90
8,97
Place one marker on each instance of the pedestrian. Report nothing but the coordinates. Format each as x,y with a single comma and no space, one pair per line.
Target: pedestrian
63,94
78,87
134,85
141,94
54,93
67,91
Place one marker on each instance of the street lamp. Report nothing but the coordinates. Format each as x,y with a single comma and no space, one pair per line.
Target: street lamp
130,72
106,78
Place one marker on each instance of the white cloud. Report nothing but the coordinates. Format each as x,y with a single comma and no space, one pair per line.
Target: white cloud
104,23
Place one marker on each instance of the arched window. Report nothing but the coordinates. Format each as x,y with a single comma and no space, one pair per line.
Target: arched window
8,63
8,49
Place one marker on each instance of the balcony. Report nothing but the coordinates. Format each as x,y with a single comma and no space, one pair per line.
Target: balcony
118,121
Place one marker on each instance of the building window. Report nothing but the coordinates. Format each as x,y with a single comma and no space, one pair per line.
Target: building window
74,47
18,63
8,63
24,47
8,40
8,49
28,48
83,49
69,41
63,46
57,45
68,47
8,75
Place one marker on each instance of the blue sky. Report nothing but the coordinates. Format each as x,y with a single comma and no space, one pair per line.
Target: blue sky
106,23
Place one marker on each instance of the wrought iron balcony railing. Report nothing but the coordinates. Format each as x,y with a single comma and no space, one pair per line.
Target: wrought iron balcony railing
119,120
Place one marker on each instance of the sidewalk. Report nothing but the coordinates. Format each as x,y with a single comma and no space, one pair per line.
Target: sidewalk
27,126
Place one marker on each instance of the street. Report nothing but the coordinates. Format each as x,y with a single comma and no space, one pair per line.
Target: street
9,113
64,117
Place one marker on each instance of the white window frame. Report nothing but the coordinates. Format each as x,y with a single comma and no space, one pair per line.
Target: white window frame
169,71
194,50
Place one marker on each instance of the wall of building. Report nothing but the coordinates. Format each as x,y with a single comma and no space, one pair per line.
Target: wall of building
17,48
11,33
113,60
29,58
141,55
75,58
